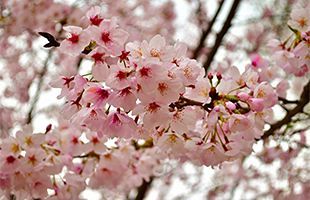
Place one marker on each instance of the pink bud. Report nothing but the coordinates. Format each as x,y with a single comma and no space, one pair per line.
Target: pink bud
256,104
243,96
216,108
230,105
218,75
210,76
255,60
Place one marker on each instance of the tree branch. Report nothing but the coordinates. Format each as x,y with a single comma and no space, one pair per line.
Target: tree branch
304,100
285,101
143,189
221,34
39,88
206,32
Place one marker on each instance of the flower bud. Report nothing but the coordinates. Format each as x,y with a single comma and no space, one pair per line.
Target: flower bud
256,104
230,105
210,76
243,96
219,76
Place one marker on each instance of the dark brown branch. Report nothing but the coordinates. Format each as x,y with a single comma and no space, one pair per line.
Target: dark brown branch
143,189
206,32
39,88
304,100
221,34
285,101
183,102
12,197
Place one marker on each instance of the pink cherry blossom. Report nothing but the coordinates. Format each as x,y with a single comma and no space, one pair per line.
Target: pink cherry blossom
94,15
109,36
76,41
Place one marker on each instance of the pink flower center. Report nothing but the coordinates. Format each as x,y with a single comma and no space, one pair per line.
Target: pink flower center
302,22
153,107
37,184
162,88
98,57
105,170
145,71
103,93
75,140
10,159
93,114
105,37
67,81
155,53
121,75
96,20
116,120
124,55
95,140
74,38
125,92
32,159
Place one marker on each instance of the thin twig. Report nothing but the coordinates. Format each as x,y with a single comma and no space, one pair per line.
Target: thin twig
285,101
39,88
221,35
206,32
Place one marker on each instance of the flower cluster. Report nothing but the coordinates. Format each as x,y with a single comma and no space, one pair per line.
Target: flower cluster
292,55
152,90
293,58
33,163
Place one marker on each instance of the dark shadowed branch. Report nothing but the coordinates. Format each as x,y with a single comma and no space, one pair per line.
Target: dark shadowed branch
221,34
207,31
304,100
143,189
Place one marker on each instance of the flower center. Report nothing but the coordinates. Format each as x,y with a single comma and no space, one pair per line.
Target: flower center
74,38
10,159
105,37
125,92
121,75
145,71
155,53
153,107
302,22
162,88
96,20
98,57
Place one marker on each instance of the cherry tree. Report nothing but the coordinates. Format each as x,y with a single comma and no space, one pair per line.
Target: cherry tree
136,105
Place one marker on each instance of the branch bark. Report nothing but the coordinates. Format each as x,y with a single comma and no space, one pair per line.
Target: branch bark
221,34
304,100
39,88
143,189
206,32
